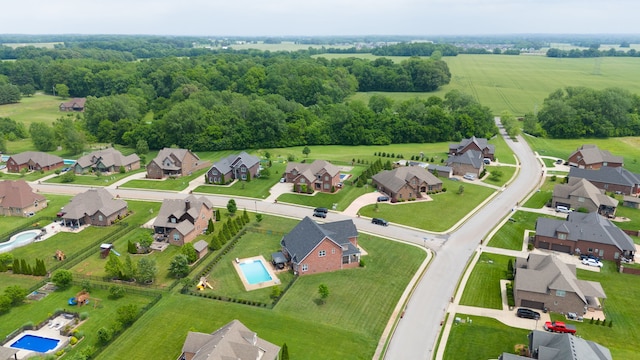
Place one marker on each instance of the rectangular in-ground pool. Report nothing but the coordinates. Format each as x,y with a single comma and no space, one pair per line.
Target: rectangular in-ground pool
344,177
35,343
255,272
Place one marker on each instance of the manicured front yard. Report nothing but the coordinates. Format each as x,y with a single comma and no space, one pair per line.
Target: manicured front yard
511,234
483,286
446,209
543,196
256,188
11,223
342,198
175,184
93,180
505,173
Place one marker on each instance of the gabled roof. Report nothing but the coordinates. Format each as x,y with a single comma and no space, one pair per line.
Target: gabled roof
608,175
233,341
586,227
18,194
92,201
307,235
550,346
471,157
40,158
482,144
591,154
75,103
109,157
173,155
541,273
579,187
395,179
233,161
200,245
309,171
184,216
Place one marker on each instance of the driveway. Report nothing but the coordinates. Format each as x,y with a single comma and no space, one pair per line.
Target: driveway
362,200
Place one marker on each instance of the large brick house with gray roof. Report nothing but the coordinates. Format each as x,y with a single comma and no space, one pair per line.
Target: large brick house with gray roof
584,233
580,193
234,167
469,162
313,248
320,175
406,182
180,221
545,282
592,158
174,162
551,346
611,179
473,143
93,207
33,161
106,161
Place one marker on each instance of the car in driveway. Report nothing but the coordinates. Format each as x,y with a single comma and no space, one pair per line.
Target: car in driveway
320,214
469,176
383,198
592,262
527,314
380,221
589,256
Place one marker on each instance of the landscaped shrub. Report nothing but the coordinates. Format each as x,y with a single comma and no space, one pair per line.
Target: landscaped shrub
363,263
59,352
73,340
84,315
104,335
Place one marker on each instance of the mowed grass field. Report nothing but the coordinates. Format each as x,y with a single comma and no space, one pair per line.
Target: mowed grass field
36,108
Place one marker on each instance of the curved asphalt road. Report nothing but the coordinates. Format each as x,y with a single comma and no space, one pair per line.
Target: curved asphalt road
417,332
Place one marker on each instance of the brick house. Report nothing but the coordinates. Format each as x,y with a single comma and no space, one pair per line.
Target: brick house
476,144
234,167
93,207
469,162
544,345
584,233
320,175
545,282
611,179
33,161
592,158
106,161
232,341
313,248
75,104
173,162
406,182
180,221
580,193
18,199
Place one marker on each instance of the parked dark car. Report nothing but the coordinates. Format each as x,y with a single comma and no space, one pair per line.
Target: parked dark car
321,209
383,198
380,221
528,314
320,214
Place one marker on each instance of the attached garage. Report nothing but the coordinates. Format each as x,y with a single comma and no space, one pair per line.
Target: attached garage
561,248
543,245
532,304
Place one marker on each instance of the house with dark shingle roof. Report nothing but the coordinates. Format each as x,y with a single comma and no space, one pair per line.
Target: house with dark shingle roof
18,199
174,162
313,248
590,157
75,104
179,221
240,167
33,161
611,179
545,282
584,233
320,175
469,162
233,341
406,182
106,161
551,346
93,207
477,144
581,194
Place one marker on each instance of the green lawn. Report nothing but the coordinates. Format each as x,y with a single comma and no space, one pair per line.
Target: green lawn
93,180
543,196
482,338
176,184
442,213
37,108
26,281
343,198
256,188
503,152
511,234
30,176
506,171
483,287
54,203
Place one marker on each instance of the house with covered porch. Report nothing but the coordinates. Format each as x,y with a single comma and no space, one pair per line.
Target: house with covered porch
93,207
406,182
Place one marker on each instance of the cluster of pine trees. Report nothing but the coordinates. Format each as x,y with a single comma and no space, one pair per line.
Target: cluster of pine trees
230,228
20,266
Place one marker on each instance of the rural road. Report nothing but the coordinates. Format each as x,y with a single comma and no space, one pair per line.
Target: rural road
416,334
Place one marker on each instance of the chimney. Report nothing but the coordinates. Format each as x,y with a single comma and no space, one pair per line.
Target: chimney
187,205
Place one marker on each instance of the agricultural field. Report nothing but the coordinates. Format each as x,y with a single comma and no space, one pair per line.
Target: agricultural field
36,108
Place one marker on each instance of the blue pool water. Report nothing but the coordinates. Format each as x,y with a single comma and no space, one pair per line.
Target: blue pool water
35,343
68,161
344,176
255,272
18,240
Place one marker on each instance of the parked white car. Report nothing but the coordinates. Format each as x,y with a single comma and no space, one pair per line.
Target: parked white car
469,176
591,262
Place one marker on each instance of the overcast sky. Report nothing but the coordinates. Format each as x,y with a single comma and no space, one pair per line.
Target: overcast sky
315,17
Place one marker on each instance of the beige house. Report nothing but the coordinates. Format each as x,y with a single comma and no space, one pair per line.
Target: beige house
580,193
590,157
546,283
18,199
93,207
320,175
106,161
179,221
232,341
174,162
406,182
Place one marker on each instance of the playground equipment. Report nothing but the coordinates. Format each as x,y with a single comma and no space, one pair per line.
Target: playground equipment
203,282
105,249
80,299
60,255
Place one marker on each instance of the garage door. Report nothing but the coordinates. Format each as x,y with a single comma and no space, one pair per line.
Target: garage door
532,304
543,245
561,248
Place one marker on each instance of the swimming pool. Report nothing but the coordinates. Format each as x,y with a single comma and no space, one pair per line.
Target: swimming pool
18,240
68,161
344,177
255,272
35,343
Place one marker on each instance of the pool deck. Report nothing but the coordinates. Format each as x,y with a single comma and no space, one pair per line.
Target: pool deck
262,285
50,330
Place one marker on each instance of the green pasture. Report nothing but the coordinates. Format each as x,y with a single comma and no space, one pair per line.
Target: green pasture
446,209
483,287
482,338
36,108
255,188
